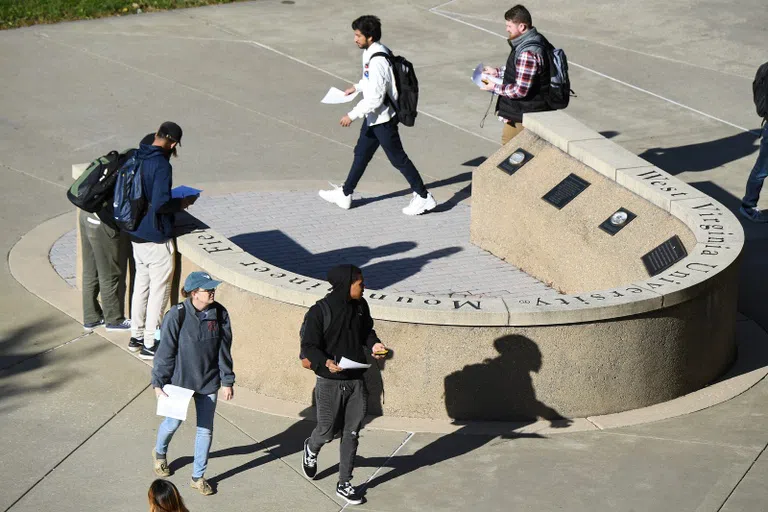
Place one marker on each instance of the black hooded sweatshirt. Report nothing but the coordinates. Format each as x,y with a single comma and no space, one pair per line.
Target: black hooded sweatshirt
350,330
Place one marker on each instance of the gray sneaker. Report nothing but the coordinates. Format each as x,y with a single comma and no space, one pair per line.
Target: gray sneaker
201,485
160,466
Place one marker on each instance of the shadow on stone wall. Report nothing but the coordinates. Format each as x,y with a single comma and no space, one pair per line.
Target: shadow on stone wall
499,389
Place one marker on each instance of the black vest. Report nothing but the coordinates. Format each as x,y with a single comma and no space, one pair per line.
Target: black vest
536,99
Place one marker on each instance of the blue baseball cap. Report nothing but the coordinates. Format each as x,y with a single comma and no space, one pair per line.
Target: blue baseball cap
200,279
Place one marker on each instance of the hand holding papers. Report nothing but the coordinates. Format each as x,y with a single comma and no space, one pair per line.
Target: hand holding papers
335,96
175,403
348,364
482,79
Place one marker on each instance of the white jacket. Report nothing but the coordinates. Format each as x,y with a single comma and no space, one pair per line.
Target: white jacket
378,80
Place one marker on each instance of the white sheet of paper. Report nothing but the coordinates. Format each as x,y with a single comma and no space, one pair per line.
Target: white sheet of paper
175,405
349,364
335,96
478,76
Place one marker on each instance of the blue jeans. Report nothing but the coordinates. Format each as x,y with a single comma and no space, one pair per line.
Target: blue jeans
758,174
205,406
387,136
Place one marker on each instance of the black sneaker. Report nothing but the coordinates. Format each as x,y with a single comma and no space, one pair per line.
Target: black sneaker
92,325
135,344
309,461
148,353
347,491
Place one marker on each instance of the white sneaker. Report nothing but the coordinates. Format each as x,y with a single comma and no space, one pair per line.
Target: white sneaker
419,205
337,197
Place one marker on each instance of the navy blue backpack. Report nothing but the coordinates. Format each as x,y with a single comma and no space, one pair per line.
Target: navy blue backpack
130,203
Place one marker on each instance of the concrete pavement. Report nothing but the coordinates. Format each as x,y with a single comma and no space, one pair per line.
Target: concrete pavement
244,80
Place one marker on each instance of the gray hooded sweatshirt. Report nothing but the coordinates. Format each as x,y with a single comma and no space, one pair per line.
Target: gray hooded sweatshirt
198,354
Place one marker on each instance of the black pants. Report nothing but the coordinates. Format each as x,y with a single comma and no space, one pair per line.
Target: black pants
387,136
347,402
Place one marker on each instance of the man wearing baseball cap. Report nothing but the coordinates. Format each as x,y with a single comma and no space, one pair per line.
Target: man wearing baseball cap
195,353
152,241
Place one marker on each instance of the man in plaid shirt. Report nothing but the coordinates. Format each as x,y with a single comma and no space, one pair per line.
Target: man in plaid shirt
523,89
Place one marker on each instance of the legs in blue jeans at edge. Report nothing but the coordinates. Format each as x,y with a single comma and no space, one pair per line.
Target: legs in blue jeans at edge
205,407
758,174
387,136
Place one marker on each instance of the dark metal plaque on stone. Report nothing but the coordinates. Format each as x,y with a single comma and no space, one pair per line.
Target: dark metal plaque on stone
664,256
617,221
565,191
513,162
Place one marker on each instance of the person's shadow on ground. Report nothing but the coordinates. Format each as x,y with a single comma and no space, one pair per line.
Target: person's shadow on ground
496,389
268,450
703,156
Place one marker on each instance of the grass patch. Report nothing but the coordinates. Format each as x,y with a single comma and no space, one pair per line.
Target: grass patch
19,13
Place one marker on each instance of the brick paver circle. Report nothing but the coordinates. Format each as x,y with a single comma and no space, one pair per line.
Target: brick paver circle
426,255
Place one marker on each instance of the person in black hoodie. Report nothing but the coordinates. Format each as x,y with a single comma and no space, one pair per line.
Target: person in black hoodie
340,393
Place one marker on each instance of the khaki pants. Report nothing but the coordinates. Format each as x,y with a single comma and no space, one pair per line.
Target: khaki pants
151,289
509,131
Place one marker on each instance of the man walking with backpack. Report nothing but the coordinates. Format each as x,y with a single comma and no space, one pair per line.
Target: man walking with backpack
526,74
759,172
152,240
339,393
380,120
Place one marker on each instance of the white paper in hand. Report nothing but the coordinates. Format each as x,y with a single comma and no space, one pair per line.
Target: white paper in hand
174,405
349,364
478,76
335,96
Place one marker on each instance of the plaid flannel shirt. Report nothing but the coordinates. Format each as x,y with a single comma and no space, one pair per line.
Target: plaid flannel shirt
527,66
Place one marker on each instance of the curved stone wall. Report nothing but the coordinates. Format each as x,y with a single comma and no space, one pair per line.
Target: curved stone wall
573,355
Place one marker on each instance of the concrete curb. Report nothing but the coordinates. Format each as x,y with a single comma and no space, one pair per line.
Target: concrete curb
29,265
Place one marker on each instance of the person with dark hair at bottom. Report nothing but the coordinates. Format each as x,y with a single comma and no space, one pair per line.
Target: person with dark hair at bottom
380,122
164,497
340,393
526,74
195,353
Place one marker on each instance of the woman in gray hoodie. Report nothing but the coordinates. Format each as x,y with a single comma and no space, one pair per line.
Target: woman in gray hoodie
194,353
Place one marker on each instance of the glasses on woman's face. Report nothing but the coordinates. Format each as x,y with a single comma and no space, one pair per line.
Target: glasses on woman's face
209,292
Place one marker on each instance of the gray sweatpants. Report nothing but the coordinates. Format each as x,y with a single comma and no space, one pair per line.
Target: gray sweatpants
340,401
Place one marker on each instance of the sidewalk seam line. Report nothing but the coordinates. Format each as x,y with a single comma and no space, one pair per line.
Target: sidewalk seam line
246,434
741,479
367,480
657,438
114,415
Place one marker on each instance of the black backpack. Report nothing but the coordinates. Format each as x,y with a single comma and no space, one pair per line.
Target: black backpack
326,309
407,86
760,91
96,184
